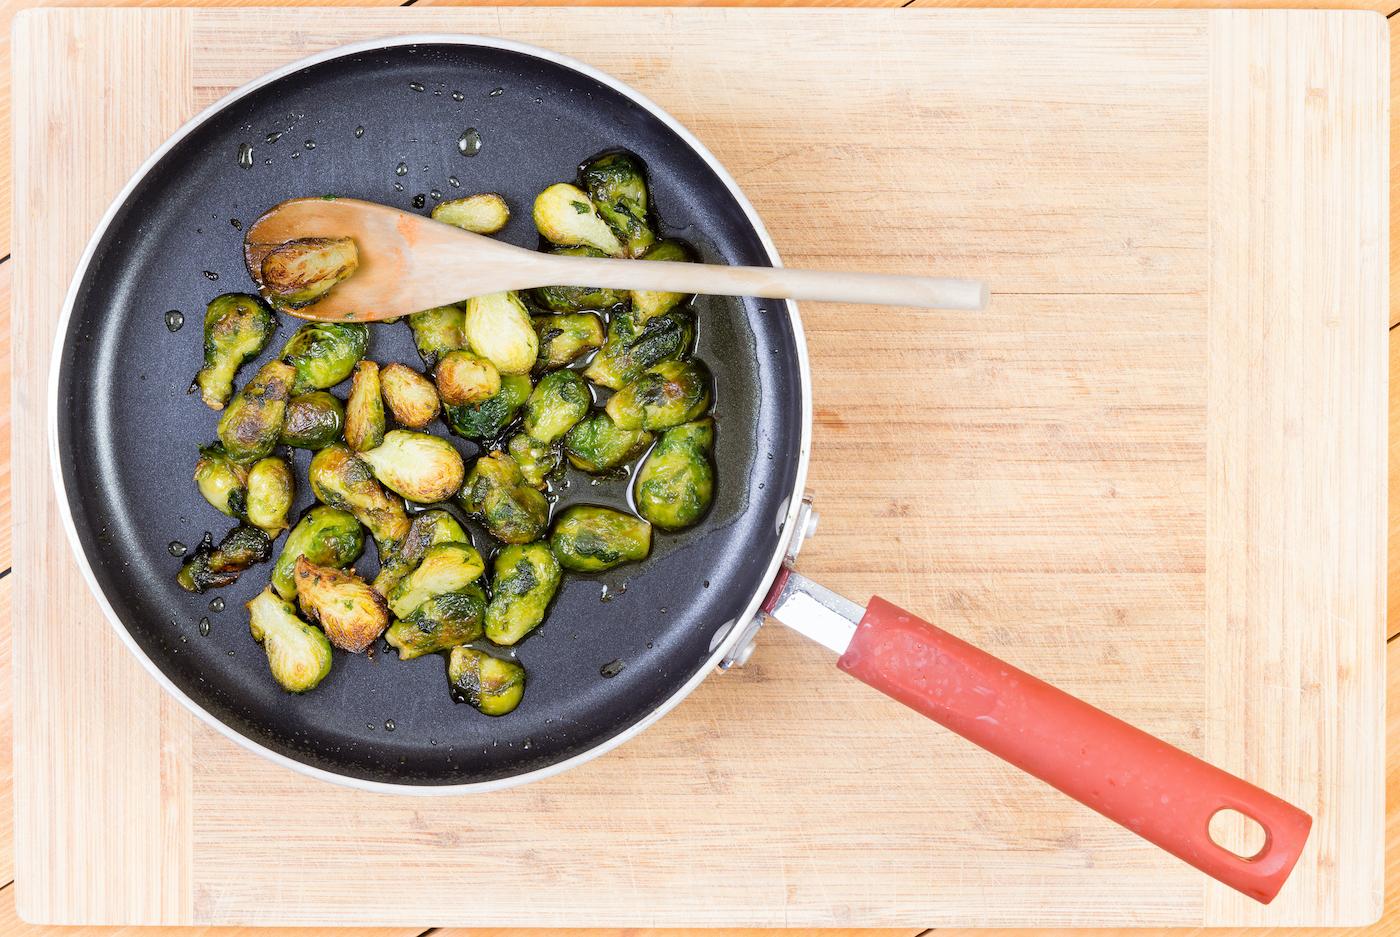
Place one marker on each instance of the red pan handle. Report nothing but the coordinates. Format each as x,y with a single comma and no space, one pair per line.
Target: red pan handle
1154,789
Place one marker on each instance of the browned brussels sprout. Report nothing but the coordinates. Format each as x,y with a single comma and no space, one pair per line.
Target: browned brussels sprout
428,529
439,624
214,567
559,400
565,215
222,481
632,348
524,581
483,213
566,338
411,397
664,395
252,423
418,466
271,488
677,480
494,686
577,298
324,353
498,493
436,332
300,272
464,378
351,613
497,327
599,445
648,304
297,653
342,480
236,328
486,420
314,420
364,413
537,460
446,567
618,187
326,536
588,538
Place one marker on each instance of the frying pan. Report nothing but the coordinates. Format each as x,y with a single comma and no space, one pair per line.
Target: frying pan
379,121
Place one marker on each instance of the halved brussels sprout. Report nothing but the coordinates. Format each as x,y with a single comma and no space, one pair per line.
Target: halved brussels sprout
212,567
326,536
619,190
465,378
537,460
588,538
648,304
566,338
446,567
565,215
428,529
559,400
577,298
632,348
439,624
324,353
436,332
494,686
252,423
271,489
418,466
524,582
364,412
677,480
314,420
411,397
498,328
222,481
483,213
297,653
342,480
496,490
664,395
486,420
300,272
599,445
351,613
236,328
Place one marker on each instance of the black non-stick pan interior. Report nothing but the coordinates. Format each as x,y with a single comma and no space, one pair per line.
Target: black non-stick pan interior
128,432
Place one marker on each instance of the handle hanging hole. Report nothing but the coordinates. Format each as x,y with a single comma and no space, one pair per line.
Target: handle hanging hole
1237,833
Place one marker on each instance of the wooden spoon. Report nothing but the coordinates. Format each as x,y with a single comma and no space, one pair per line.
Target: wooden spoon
409,263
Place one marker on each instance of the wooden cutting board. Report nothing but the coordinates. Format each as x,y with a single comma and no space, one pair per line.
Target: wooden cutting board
1152,472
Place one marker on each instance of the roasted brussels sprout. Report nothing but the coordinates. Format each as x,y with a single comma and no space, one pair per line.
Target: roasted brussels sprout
483,213
342,480
252,423
523,584
428,529
326,536
677,480
664,395
599,445
498,328
537,460
350,612
566,338
300,272
324,353
446,567
411,397
418,466
618,187
632,348
236,328
436,332
577,298
494,686
297,653
464,378
439,624
565,215
587,538
496,490
212,567
648,304
487,419
314,420
222,481
559,400
271,488
364,412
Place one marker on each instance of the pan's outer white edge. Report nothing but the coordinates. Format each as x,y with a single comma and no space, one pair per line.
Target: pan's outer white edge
378,786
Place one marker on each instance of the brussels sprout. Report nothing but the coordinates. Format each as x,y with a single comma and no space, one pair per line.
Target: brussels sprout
648,304
537,460
439,624
465,378
664,395
271,488
632,348
483,213
252,423
222,481
566,338
587,538
599,445
236,328
364,412
565,215
618,187
342,480
577,298
428,529
523,584
350,612
411,397
446,567
677,480
436,332
494,686
324,353
326,536
214,567
418,466
498,328
314,420
300,272
497,492
559,400
487,419
297,653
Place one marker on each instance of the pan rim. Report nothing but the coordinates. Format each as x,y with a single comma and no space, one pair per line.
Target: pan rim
736,630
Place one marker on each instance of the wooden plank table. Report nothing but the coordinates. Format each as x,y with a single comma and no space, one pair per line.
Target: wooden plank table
10,924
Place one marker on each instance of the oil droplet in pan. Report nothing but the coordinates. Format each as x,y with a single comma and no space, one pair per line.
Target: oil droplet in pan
177,548
273,137
245,155
204,627
359,132
612,668
401,169
469,143
216,604
415,86
174,320
496,92
458,96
